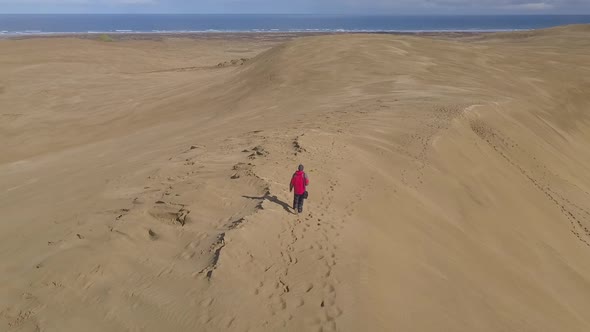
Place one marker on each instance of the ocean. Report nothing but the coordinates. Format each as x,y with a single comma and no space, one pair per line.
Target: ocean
27,24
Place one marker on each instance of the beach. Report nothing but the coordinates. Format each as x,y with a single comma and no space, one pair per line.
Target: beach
144,182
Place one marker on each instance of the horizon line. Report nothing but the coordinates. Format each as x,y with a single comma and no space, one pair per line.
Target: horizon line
318,14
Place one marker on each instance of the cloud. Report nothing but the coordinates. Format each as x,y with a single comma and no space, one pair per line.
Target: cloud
450,6
86,2
482,4
134,2
307,6
45,2
535,6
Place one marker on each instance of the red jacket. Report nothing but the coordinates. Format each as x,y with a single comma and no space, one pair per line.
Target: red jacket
299,182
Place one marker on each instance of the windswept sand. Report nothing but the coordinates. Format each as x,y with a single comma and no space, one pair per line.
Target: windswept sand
145,188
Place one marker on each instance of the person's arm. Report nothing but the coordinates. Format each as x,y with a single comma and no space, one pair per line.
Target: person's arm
291,184
306,179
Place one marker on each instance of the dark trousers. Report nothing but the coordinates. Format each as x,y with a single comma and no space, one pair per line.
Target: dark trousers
298,203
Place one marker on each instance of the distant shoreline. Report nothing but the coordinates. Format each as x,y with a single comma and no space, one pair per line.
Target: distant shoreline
121,36
148,26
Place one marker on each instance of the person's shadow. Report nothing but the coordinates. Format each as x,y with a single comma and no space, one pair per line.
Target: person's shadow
273,199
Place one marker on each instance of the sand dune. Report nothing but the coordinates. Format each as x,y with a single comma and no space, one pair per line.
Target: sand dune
144,187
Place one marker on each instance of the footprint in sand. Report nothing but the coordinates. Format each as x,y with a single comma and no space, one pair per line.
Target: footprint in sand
334,312
193,244
153,235
206,302
169,214
187,255
122,213
228,321
299,303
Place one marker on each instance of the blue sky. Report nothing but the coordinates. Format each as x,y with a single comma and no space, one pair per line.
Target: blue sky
300,6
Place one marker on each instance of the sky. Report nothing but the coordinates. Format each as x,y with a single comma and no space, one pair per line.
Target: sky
300,6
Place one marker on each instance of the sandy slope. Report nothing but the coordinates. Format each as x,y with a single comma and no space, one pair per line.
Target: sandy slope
144,188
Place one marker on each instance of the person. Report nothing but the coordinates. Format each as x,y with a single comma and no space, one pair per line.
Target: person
299,183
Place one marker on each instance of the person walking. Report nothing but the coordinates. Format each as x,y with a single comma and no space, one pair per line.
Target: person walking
299,182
